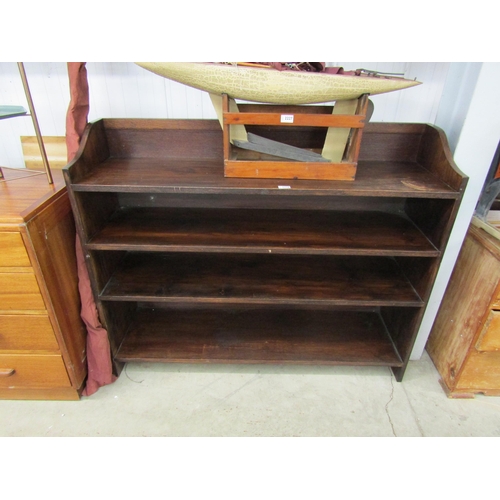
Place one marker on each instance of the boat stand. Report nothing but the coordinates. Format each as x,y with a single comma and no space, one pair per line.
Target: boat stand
248,155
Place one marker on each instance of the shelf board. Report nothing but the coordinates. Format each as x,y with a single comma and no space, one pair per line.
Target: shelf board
262,231
178,175
265,279
259,336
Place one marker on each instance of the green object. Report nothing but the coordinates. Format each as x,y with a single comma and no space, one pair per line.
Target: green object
11,111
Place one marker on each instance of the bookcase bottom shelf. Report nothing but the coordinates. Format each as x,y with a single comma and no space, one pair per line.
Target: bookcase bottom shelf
259,336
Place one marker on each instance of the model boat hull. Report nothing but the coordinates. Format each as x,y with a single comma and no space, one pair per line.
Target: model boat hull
272,86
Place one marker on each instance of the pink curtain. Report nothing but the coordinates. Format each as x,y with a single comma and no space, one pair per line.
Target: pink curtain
98,349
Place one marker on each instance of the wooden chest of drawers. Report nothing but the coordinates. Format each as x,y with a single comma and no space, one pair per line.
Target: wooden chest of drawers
42,338
464,343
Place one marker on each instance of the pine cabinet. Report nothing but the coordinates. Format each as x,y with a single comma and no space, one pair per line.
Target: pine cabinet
464,343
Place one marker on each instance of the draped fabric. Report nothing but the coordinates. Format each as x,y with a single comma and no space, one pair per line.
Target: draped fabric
76,118
99,365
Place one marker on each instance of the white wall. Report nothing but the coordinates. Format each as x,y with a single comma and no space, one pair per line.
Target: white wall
48,84
456,98
123,89
418,104
477,133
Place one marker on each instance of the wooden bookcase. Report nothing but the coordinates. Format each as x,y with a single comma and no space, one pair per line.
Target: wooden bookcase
190,266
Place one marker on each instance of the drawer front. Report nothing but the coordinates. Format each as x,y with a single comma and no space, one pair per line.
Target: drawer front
481,371
12,251
27,332
37,371
20,291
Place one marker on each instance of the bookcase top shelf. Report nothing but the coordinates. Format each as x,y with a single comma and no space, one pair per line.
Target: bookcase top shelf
185,156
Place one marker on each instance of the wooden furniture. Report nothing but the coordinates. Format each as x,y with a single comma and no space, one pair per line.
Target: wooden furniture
190,266
55,149
464,343
250,164
42,339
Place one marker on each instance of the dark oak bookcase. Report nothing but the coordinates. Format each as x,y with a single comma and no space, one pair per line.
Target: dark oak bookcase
189,266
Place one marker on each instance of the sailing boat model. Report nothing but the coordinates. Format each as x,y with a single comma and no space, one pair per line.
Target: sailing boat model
283,96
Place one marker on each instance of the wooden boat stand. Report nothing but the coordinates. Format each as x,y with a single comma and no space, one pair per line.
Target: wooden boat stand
258,157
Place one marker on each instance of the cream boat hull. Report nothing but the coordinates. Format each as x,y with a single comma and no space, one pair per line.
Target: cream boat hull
273,86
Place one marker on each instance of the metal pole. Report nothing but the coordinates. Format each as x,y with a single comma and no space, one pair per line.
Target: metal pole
35,122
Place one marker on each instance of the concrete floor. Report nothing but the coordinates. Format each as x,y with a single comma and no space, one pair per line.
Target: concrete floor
250,400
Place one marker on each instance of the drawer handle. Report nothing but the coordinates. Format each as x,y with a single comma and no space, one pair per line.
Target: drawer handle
7,372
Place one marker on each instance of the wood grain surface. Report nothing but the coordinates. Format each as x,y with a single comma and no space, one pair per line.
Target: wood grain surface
263,279
259,336
262,231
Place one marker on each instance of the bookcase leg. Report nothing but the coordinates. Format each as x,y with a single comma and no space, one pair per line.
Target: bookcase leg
399,373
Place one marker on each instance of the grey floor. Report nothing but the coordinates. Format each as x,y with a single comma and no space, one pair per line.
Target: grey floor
250,400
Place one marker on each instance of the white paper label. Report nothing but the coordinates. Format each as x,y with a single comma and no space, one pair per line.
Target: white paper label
286,118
